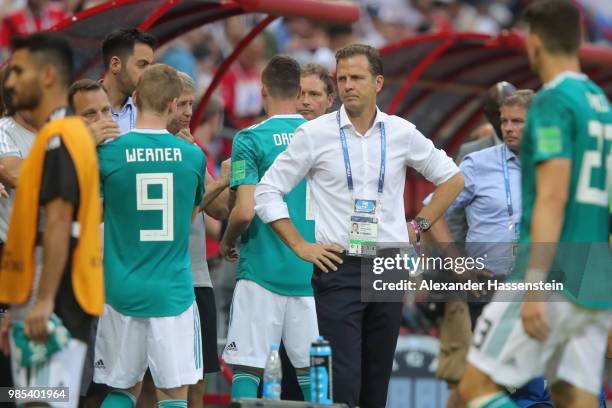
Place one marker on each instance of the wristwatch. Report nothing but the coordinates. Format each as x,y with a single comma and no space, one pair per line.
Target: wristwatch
422,223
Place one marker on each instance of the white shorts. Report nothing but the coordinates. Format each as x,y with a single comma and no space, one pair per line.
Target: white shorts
259,317
573,352
64,369
171,347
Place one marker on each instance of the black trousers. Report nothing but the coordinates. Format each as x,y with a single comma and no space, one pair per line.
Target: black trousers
363,336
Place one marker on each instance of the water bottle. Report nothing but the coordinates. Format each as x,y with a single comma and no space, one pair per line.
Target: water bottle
273,375
321,372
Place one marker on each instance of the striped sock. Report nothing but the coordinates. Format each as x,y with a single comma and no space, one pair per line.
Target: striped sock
119,399
172,404
244,385
304,382
499,400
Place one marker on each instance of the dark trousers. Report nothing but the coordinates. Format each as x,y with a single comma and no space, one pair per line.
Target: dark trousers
363,336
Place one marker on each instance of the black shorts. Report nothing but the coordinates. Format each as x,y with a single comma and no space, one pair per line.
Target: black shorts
205,300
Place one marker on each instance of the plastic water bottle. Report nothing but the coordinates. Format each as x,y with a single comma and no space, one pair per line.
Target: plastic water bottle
273,375
321,372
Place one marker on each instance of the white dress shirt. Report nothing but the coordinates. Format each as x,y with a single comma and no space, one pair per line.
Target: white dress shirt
316,153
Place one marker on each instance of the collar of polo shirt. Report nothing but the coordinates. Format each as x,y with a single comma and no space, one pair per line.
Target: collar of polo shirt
346,122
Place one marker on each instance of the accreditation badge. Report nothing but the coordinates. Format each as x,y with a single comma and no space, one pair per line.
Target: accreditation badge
363,228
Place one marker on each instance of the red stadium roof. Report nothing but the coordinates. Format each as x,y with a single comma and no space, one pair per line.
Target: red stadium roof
439,81
168,19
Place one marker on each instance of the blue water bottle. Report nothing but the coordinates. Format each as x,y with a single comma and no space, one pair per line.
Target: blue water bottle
321,372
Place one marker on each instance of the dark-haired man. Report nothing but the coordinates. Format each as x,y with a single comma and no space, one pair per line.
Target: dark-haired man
57,207
348,158
566,159
317,91
273,296
126,52
88,99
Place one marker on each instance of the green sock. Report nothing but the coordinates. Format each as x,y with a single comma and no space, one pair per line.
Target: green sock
119,399
304,381
172,404
244,385
499,400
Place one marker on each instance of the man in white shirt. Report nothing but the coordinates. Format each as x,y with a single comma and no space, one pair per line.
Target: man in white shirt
355,162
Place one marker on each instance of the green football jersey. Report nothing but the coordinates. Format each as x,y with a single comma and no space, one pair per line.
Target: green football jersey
571,118
150,182
264,258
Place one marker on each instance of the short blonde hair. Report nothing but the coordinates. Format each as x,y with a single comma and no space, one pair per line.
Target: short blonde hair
158,86
187,82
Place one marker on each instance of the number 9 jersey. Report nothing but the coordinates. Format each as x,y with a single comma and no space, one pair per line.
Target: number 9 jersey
150,182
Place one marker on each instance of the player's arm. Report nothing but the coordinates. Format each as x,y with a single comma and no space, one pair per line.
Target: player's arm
10,167
10,161
56,244
216,196
552,128
59,196
239,220
552,191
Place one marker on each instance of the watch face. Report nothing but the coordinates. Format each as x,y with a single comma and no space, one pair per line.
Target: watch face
423,224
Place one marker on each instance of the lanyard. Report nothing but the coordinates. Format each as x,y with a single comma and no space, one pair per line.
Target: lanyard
507,181
347,161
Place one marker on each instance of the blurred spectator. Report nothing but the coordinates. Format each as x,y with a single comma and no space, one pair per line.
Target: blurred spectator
209,128
190,54
241,87
37,15
309,43
341,35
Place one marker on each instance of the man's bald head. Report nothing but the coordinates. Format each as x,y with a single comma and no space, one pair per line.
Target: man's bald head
495,97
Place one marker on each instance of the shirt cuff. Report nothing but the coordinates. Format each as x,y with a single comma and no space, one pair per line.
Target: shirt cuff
271,212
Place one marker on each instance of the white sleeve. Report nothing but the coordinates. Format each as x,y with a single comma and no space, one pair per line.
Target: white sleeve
288,169
431,162
8,147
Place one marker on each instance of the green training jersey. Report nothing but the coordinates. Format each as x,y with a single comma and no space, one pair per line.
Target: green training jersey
150,182
571,118
264,258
